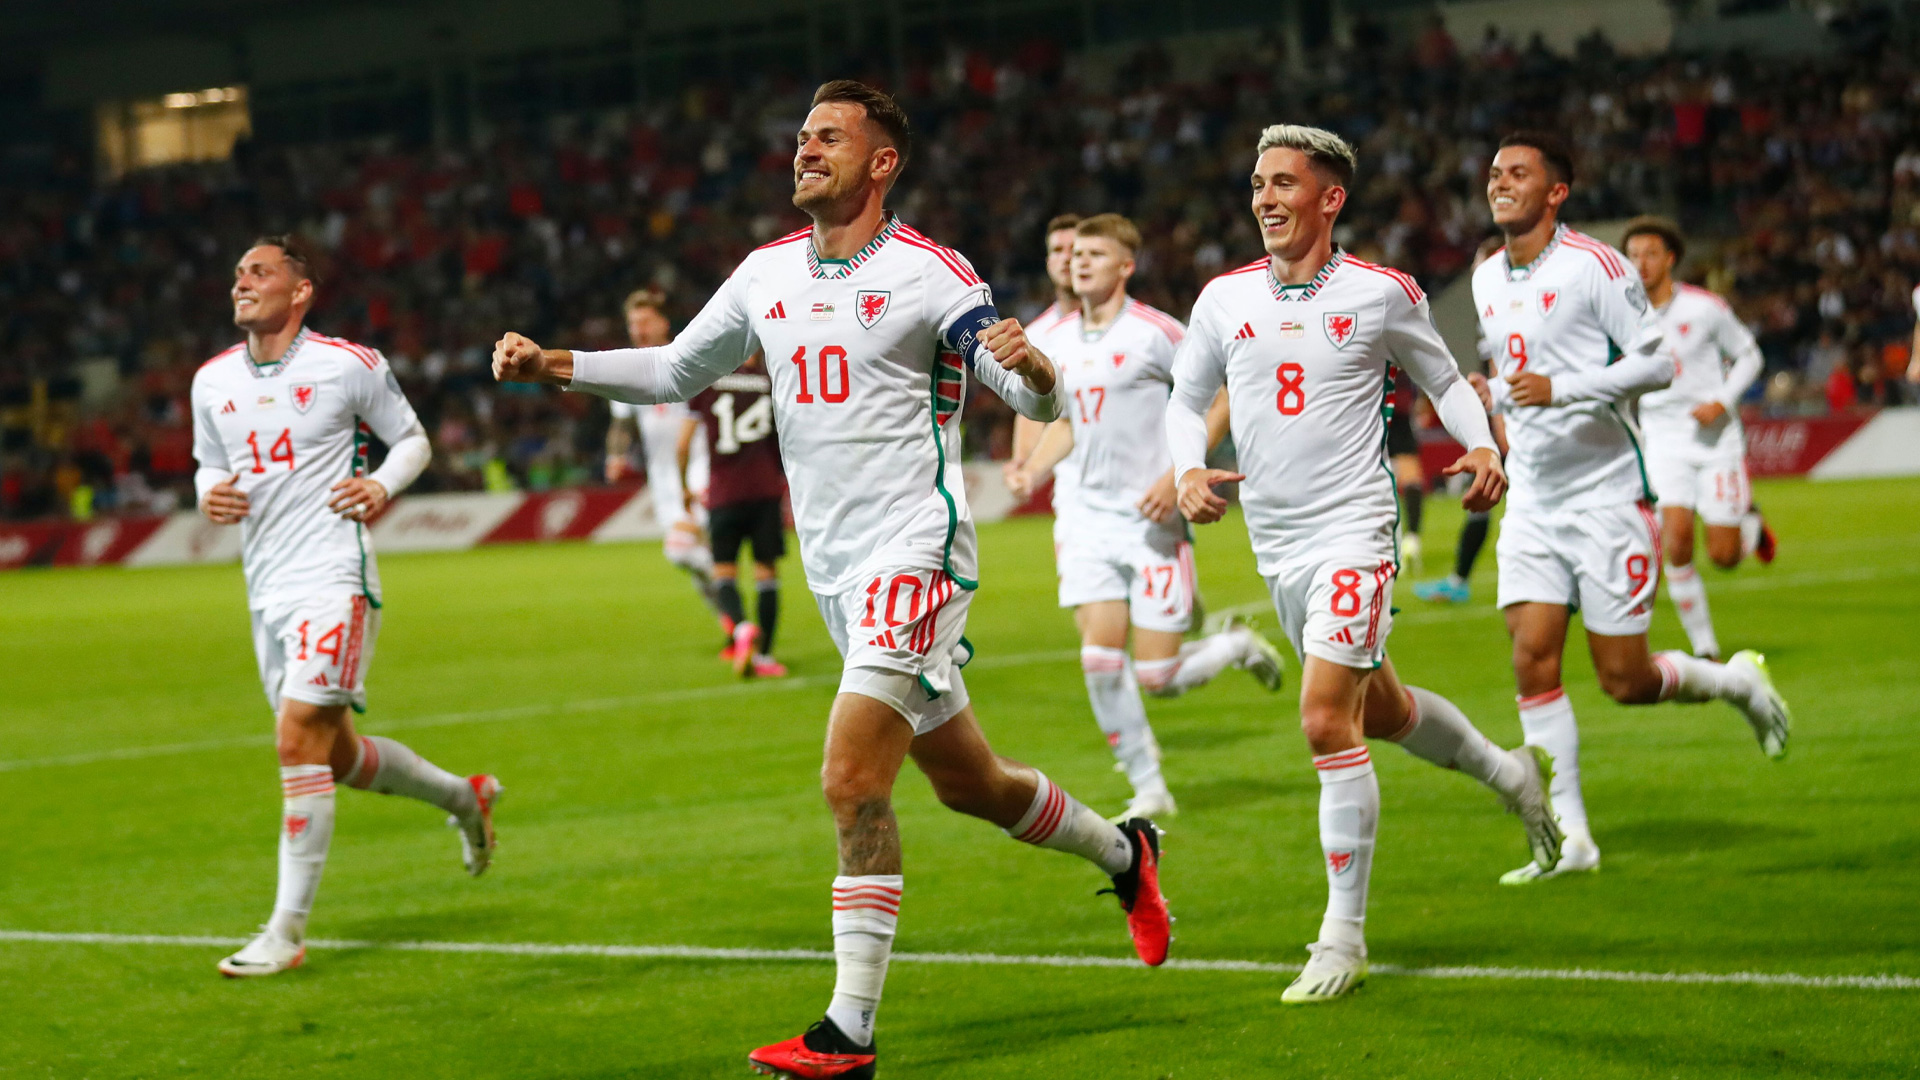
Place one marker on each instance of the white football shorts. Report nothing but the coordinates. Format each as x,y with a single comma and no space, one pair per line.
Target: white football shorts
1151,569
1338,607
1709,478
902,635
1602,562
316,650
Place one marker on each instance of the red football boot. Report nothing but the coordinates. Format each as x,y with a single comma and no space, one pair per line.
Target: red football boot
824,1051
1138,889
746,642
1768,546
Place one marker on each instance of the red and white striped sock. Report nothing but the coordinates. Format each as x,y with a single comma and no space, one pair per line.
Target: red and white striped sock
1057,820
1122,716
392,768
1197,664
866,910
1691,679
306,829
1349,820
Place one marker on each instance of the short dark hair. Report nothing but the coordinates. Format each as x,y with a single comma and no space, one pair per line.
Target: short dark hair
1667,231
295,251
1551,148
882,112
1063,221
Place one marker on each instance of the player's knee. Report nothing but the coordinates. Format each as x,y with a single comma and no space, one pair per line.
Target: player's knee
851,785
1725,555
1323,723
1630,684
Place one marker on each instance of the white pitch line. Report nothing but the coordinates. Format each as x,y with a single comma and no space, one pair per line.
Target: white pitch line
512,712
1257,967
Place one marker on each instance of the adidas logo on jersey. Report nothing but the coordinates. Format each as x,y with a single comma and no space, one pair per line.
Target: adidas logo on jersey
1344,637
777,311
320,679
1245,334
227,408
884,641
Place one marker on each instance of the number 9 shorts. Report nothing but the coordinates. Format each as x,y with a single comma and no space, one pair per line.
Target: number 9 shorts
1338,607
1603,562
317,649
901,633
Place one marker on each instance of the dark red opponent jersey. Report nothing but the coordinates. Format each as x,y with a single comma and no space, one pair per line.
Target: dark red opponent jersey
745,456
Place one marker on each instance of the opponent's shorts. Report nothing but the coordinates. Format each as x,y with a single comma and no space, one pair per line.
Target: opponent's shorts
1400,437
1338,608
758,522
1153,573
1709,480
902,635
316,650
1602,562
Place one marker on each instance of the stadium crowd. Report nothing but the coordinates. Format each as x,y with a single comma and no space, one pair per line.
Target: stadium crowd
1800,180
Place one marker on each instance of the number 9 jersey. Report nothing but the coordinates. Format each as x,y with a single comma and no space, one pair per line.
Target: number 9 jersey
286,433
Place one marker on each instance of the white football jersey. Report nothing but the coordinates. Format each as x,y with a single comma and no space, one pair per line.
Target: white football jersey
1114,384
1058,321
866,357
1569,315
289,431
1715,359
1308,375
660,426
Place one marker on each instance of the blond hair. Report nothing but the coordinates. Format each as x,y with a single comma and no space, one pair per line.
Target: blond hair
1113,227
648,297
1329,153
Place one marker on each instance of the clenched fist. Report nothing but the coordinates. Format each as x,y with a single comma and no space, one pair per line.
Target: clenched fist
517,359
1007,341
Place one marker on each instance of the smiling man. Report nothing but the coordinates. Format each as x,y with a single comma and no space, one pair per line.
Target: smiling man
280,429
1305,342
1574,343
869,330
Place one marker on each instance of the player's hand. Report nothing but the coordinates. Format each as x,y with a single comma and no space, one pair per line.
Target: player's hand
1014,467
616,468
688,500
225,503
1479,384
517,359
1160,500
1020,483
1530,389
1197,499
358,498
1709,414
1489,478
1007,341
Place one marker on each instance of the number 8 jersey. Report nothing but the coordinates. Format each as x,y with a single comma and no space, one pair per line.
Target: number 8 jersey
287,432
868,359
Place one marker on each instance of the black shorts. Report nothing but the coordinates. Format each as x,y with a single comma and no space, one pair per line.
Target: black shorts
1400,437
757,521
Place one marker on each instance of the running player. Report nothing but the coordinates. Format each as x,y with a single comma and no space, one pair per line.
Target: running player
281,423
1696,449
1305,341
745,493
1125,559
1456,587
1064,309
870,329
1574,341
659,427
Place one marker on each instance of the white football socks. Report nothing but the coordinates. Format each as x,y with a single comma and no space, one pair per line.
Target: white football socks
1349,820
1547,720
1122,716
1197,664
306,828
1437,731
1689,679
1057,820
866,911
1689,596
392,768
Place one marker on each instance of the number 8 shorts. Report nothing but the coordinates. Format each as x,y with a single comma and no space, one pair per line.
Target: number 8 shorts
1336,607
901,634
1602,562
316,650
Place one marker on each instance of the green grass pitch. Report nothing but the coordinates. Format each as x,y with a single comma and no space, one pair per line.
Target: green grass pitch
651,802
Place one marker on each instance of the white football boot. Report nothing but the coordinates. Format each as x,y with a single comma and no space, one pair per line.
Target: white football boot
1153,805
1335,970
268,954
1767,713
1533,804
1578,854
1261,659
476,830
